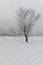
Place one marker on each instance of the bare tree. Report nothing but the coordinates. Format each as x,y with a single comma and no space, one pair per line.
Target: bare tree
26,19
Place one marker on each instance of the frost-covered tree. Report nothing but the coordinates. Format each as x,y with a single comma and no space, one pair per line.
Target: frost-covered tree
11,31
2,32
26,19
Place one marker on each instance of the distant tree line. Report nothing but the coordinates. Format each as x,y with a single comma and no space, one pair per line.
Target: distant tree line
9,32
12,32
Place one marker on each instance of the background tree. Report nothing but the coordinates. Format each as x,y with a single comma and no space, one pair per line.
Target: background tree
26,19
11,32
3,32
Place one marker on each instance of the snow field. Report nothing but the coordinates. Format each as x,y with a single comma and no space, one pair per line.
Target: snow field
15,51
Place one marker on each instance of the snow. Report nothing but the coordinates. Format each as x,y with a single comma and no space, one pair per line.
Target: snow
15,51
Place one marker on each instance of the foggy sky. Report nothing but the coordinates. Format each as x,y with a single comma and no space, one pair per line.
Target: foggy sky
8,8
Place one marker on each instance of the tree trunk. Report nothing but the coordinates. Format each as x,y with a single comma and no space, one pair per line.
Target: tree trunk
26,38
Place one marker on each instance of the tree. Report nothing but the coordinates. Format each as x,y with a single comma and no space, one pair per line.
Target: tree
2,32
11,31
26,19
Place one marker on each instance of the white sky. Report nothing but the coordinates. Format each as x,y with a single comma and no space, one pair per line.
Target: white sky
8,7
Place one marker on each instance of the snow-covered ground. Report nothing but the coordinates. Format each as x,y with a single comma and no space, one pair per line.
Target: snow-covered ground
15,51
